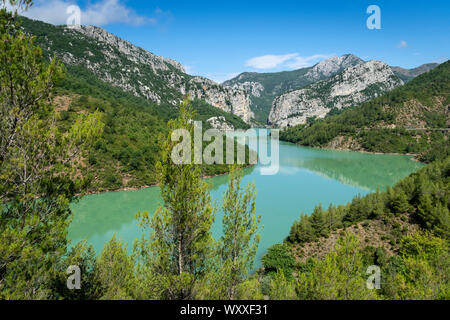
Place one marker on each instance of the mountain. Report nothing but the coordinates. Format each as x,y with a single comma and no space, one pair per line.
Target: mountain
117,62
409,74
126,154
354,85
264,87
413,119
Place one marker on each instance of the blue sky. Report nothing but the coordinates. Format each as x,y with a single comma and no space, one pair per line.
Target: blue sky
220,39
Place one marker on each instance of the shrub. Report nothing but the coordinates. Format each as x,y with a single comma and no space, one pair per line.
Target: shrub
279,257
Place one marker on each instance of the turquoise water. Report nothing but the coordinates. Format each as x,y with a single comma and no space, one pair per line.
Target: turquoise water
306,178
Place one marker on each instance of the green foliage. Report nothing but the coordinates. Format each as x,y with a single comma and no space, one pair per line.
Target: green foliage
282,288
421,271
424,195
240,227
128,150
40,165
115,272
83,256
279,257
180,241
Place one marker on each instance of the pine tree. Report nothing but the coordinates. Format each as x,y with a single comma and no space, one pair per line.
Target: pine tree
115,272
318,221
282,288
37,165
240,227
302,230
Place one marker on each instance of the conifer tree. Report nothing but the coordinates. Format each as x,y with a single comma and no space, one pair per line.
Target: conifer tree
37,165
180,246
240,226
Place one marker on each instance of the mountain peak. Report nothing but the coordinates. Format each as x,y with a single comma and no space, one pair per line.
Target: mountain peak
354,85
333,65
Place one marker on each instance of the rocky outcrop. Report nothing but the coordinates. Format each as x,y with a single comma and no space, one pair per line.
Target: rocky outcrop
133,53
263,88
171,73
332,66
252,88
354,85
220,123
228,99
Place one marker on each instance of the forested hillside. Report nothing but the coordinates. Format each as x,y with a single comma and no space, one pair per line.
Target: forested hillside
412,119
404,231
125,155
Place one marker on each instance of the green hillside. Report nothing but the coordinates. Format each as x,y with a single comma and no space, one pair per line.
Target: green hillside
408,74
411,119
403,231
126,153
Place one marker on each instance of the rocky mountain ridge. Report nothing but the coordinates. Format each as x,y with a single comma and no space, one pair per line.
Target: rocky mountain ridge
264,88
354,85
132,69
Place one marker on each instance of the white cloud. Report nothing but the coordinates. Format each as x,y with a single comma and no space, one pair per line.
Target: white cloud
188,69
302,62
100,13
291,60
269,61
402,44
220,77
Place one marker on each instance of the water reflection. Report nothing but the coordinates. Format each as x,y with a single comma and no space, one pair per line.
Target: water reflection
306,178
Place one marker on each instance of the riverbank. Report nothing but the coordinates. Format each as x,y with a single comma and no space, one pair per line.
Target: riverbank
327,177
146,186
413,156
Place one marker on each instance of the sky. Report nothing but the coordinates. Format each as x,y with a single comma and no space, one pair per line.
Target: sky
220,39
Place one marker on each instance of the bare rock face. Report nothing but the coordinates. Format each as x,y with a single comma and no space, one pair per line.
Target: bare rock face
354,85
133,53
263,88
220,123
252,88
142,73
331,66
228,99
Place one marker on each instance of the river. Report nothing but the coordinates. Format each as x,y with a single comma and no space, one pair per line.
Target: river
307,177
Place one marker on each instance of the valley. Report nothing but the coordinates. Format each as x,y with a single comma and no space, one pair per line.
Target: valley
112,158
